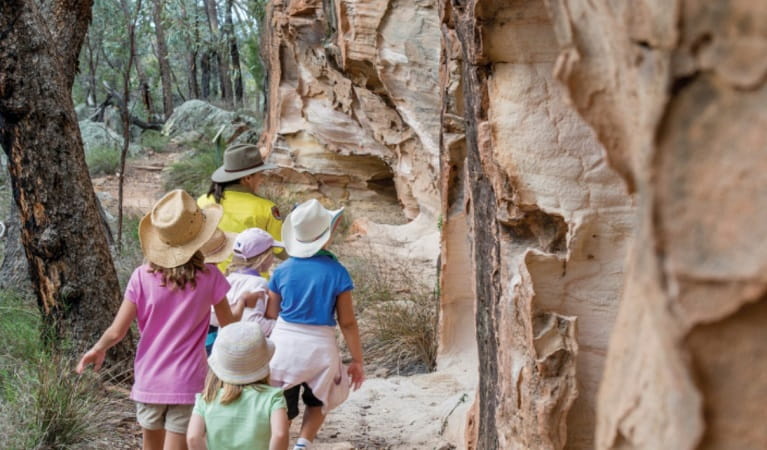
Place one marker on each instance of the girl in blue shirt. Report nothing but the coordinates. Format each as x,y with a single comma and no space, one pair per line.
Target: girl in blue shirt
308,295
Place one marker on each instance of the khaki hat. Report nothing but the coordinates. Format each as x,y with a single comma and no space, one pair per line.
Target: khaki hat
308,228
219,246
240,160
241,353
176,228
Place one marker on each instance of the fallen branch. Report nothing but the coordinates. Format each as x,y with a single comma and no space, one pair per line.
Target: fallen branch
115,99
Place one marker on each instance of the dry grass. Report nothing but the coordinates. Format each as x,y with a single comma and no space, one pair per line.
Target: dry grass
43,403
397,315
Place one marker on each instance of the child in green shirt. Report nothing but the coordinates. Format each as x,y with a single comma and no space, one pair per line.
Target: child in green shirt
238,409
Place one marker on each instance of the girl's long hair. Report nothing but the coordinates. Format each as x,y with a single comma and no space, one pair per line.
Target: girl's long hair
230,392
238,262
217,189
178,277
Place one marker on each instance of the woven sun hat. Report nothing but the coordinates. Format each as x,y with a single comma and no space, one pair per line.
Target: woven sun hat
219,246
308,228
241,353
254,241
240,160
176,228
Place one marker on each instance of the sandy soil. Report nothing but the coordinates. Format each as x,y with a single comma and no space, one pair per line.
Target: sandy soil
415,412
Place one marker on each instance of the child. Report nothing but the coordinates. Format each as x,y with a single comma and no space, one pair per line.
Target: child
253,256
307,290
170,296
238,409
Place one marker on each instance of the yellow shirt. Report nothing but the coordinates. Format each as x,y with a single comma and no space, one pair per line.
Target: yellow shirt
243,210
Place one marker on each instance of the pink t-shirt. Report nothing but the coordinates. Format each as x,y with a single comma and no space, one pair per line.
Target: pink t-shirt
170,363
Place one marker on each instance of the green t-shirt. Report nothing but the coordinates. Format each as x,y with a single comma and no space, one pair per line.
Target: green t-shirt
243,424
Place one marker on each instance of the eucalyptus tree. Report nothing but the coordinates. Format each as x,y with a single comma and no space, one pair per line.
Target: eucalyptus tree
162,56
69,261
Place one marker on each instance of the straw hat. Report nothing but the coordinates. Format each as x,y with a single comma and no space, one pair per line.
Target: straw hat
240,160
219,246
254,241
308,228
241,353
176,228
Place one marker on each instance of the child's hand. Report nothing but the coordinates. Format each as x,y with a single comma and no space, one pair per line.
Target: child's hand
251,298
356,373
96,357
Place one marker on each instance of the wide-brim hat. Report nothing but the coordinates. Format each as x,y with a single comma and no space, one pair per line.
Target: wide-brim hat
219,247
308,228
241,353
176,228
240,160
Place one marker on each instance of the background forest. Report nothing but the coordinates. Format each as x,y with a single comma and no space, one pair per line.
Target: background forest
173,51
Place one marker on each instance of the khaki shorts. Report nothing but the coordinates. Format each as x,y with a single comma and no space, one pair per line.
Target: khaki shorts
173,418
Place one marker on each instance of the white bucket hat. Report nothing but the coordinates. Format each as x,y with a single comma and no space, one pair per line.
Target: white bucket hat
241,354
176,228
308,228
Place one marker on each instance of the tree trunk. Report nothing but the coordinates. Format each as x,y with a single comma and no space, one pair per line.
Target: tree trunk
69,262
205,74
193,47
146,96
162,58
234,53
90,98
223,63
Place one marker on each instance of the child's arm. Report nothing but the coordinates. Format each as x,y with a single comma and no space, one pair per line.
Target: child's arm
226,314
195,433
280,427
251,298
273,306
114,334
348,324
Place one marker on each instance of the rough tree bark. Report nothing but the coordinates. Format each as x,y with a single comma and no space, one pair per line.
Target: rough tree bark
69,261
162,58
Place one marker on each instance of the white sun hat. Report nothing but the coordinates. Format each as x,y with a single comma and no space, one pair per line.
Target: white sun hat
241,354
308,228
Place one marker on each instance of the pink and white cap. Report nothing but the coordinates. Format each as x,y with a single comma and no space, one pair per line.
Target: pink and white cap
254,241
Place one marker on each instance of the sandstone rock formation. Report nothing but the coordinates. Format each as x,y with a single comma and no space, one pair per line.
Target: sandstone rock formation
676,93
549,222
353,115
524,147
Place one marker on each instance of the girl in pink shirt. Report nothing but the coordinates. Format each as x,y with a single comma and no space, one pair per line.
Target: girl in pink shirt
170,296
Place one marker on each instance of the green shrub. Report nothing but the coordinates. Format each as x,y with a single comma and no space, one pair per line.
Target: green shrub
102,160
193,173
154,140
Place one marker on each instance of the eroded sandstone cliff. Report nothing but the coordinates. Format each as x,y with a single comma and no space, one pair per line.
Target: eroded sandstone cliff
524,147
549,221
676,92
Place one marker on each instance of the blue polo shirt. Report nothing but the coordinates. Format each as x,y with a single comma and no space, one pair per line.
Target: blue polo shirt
309,288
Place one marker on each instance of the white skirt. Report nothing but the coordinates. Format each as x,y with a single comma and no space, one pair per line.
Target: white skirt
309,354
